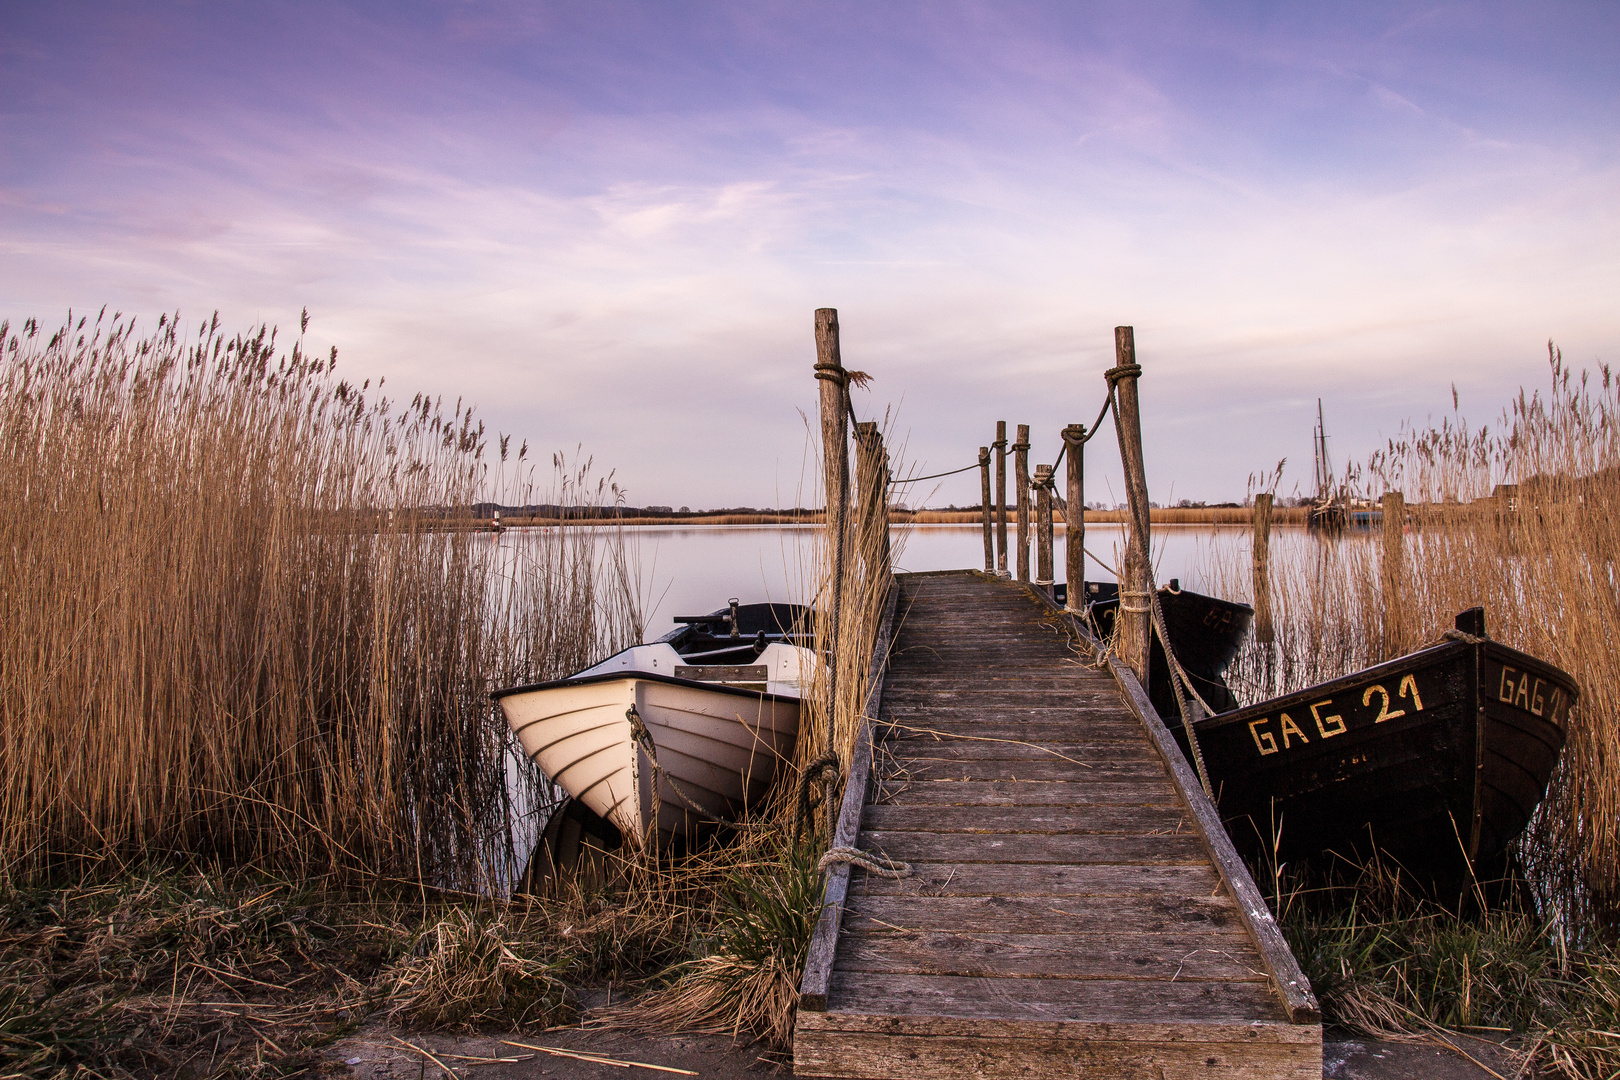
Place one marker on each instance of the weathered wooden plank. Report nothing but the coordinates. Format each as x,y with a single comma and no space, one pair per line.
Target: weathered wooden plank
1150,1029
1197,881
823,946
1157,850
1287,978
1141,914
1036,820
857,1056
1001,748
1042,999
1199,956
922,768
1138,792
899,731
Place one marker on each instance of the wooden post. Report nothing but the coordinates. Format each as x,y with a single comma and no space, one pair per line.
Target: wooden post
884,554
871,491
835,465
1021,479
1394,570
1260,549
989,536
1001,497
1074,518
1043,528
1135,626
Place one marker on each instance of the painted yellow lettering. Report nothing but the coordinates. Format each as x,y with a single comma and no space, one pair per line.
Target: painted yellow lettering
1537,702
1408,683
1384,712
1523,693
1289,725
1264,741
1505,691
1327,725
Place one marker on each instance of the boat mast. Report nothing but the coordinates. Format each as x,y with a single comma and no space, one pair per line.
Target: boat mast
1324,470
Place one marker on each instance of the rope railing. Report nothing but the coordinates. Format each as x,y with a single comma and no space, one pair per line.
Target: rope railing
1139,617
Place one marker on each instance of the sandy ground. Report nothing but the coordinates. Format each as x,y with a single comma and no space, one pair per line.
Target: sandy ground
377,1052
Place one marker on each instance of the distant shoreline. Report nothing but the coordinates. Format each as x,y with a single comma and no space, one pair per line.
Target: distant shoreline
1170,515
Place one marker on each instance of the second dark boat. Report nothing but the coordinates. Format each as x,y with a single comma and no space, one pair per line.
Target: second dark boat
1431,757
1204,631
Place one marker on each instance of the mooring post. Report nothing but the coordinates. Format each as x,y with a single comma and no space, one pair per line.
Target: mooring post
835,465
1135,626
989,528
1261,551
872,501
885,557
1394,525
1021,479
1074,518
1043,528
1001,497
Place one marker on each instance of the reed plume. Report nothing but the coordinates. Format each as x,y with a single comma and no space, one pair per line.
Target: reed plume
1522,518
234,623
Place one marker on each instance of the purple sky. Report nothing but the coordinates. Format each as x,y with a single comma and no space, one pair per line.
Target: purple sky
609,224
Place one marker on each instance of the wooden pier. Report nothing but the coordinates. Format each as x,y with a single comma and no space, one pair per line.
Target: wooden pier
1075,910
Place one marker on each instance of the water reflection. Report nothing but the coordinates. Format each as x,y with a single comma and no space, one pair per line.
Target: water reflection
692,569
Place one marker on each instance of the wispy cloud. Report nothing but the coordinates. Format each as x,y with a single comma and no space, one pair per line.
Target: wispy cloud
615,233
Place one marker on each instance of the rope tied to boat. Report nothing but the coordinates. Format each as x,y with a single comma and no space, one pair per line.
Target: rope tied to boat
1463,636
1178,682
871,862
826,771
643,738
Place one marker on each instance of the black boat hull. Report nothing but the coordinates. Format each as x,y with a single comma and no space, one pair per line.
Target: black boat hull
1205,631
1431,757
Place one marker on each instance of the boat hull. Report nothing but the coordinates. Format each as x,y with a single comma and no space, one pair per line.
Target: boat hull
1205,631
714,750
1432,757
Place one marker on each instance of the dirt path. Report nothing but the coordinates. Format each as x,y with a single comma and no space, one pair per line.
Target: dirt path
376,1051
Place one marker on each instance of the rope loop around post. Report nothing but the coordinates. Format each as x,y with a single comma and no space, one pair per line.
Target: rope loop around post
1123,371
832,372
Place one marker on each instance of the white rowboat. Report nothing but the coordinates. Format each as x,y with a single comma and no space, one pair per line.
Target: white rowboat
661,748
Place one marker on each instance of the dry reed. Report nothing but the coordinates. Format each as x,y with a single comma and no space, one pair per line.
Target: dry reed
1540,558
228,626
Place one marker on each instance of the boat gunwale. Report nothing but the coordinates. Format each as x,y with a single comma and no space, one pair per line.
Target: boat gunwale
608,676
1432,654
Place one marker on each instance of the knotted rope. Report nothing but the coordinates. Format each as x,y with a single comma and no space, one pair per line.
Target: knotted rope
643,738
1123,371
871,862
832,371
824,771
1178,681
1462,636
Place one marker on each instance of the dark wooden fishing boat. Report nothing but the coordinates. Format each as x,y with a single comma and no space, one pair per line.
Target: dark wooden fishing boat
1439,754
1204,631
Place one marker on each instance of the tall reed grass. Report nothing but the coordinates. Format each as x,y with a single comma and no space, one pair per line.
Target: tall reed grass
1540,559
229,626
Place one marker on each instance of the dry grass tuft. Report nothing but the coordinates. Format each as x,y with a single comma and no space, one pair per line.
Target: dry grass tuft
763,901
472,971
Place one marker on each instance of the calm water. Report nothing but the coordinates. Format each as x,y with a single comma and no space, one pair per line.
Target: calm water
695,569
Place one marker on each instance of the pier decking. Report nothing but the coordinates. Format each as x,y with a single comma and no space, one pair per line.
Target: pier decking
1071,913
